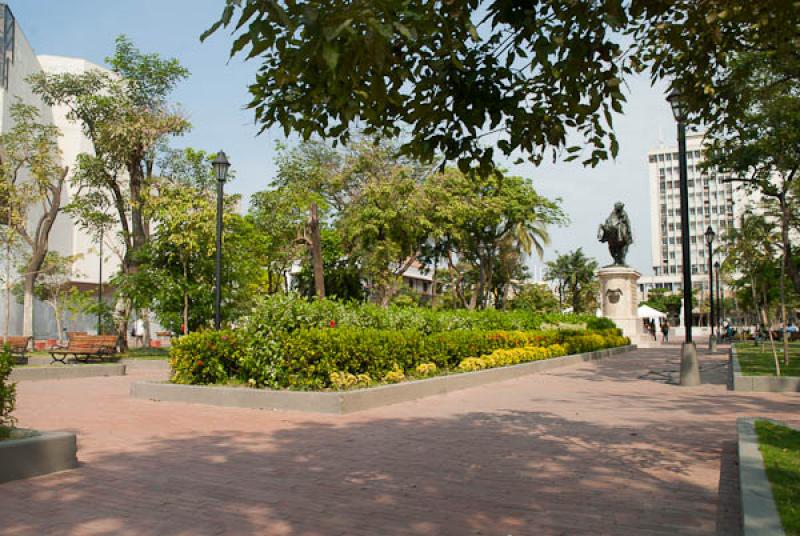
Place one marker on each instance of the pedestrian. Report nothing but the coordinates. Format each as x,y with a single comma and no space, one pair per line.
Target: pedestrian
665,330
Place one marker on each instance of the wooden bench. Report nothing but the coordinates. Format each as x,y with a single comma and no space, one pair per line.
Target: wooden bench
86,347
18,347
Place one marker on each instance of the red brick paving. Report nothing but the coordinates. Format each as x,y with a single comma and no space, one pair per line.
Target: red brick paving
595,449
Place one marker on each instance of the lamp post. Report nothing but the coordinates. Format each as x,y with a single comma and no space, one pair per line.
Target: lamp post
719,300
690,369
100,288
221,166
712,339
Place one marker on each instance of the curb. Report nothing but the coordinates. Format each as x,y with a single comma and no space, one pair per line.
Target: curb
759,513
41,454
342,402
67,372
772,384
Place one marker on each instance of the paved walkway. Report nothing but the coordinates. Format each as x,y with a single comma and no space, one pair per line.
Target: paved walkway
604,448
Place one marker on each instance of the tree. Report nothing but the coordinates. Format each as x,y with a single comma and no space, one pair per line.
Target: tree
752,262
176,267
450,73
31,183
576,281
474,217
126,116
535,297
54,288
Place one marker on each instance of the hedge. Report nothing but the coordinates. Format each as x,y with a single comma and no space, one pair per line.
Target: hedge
344,357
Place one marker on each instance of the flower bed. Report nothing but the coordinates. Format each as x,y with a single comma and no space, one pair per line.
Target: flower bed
362,346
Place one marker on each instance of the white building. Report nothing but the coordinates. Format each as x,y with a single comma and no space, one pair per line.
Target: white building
712,202
66,238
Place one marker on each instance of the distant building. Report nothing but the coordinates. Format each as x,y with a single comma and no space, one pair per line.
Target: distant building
712,201
18,62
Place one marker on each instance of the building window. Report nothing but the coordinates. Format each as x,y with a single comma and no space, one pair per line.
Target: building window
7,44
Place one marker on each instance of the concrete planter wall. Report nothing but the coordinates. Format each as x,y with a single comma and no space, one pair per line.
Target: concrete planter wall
40,454
759,514
340,402
775,384
66,372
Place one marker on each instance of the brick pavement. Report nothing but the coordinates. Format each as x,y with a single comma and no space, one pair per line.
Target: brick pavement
603,448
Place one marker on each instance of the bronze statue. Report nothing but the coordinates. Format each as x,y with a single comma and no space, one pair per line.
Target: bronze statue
617,232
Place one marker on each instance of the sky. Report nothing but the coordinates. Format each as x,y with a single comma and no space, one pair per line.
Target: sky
215,97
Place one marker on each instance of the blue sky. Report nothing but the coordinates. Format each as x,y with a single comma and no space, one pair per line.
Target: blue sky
215,96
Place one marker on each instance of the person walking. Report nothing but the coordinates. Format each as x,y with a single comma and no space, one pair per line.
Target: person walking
665,331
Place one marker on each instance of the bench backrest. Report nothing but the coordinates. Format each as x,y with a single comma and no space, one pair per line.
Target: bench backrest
16,343
93,343
71,334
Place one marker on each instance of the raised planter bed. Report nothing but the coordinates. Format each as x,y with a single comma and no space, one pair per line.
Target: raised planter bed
37,453
775,384
759,513
341,402
66,372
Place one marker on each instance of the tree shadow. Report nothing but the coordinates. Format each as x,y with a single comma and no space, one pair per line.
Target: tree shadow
499,473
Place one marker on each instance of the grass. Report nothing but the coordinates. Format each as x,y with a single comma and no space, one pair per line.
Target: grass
755,362
780,448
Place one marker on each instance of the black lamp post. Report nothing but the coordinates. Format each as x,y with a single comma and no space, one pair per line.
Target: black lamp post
719,300
690,369
100,288
712,339
221,166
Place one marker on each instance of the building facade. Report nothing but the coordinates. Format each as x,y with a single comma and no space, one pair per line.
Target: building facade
713,201
19,61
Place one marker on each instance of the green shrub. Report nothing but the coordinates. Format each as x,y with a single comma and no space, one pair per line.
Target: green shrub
207,357
8,389
287,313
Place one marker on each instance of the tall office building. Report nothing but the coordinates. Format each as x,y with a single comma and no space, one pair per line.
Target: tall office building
712,201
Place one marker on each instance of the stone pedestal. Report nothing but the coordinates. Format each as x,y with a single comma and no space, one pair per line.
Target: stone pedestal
619,294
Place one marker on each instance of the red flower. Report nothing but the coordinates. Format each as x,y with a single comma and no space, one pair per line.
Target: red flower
333,323
199,363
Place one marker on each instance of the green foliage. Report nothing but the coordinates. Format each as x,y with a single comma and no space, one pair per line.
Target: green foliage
288,342
426,65
206,357
176,268
780,447
536,298
663,300
574,275
286,313
8,389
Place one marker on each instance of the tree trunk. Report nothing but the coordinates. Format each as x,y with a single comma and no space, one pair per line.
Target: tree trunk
787,259
147,335
122,311
433,283
32,269
8,288
316,252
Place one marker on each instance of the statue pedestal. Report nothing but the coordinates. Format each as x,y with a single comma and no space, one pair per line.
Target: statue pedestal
619,294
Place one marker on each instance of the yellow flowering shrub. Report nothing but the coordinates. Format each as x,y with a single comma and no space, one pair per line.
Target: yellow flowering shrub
471,364
557,350
395,375
363,380
426,369
342,380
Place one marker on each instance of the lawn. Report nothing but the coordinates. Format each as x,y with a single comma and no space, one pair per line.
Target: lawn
755,362
780,447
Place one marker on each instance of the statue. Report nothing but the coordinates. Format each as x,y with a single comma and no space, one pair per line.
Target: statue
617,232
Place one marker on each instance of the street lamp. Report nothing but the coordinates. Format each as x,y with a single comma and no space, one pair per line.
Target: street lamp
690,369
221,166
719,300
712,339
100,288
